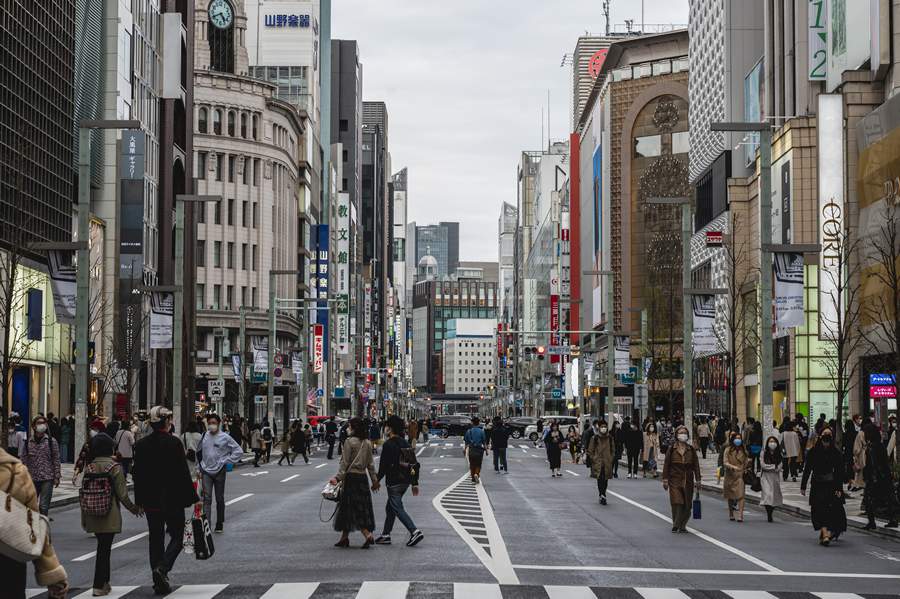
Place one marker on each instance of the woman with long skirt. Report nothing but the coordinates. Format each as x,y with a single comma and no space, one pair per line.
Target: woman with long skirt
554,443
824,467
354,510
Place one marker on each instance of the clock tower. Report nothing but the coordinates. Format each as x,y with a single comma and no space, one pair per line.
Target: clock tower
220,44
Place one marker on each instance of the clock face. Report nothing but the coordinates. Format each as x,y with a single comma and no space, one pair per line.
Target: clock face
221,14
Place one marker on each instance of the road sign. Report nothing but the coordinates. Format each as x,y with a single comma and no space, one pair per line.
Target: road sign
276,375
216,389
556,393
278,359
320,392
558,350
640,396
368,371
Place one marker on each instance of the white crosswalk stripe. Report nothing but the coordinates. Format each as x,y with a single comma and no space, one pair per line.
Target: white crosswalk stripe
114,593
198,591
749,595
568,592
482,591
382,590
291,590
837,595
648,593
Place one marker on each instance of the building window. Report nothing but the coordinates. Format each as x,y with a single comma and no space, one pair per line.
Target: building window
244,256
231,211
229,297
219,167
255,262
243,295
344,125
217,297
681,142
200,211
217,121
217,213
230,256
217,254
231,168
200,292
245,173
245,213
344,155
201,253
244,125
231,123
647,146
255,214
201,165
201,120
253,301
255,127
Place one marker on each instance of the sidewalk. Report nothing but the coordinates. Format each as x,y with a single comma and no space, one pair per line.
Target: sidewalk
794,502
67,493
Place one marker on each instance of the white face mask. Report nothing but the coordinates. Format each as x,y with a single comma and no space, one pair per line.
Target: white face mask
603,429
683,438
773,446
651,429
41,428
212,428
93,434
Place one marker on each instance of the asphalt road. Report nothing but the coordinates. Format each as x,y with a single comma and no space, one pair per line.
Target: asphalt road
524,528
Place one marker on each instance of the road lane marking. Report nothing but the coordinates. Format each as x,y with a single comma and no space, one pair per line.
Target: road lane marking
382,590
564,592
255,474
436,470
837,595
198,591
291,477
87,556
114,593
418,453
702,535
807,575
29,593
524,447
661,593
475,589
291,590
750,595
573,473
321,465
239,498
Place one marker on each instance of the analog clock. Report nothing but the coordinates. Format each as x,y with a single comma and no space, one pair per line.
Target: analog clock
221,14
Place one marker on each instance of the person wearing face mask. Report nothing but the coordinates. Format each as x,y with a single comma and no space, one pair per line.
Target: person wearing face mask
770,468
736,461
880,497
40,454
680,472
824,467
215,451
601,451
650,451
634,444
859,455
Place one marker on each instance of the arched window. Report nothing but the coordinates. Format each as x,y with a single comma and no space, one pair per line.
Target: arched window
244,125
217,121
255,127
231,123
201,120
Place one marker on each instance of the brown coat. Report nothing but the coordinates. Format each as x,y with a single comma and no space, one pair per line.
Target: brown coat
735,462
679,472
601,450
47,569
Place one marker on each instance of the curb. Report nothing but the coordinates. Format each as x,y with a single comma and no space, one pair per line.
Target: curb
887,533
57,503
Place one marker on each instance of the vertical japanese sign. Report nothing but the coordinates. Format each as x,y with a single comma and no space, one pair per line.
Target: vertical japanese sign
342,278
622,354
322,261
818,40
788,291
63,284
131,245
500,340
318,347
554,316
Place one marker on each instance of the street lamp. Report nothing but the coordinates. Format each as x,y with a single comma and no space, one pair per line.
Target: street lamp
273,317
610,337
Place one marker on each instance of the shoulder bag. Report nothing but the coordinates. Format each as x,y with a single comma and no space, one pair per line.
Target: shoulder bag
24,531
332,492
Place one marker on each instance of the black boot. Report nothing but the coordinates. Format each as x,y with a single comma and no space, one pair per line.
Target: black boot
871,524
769,510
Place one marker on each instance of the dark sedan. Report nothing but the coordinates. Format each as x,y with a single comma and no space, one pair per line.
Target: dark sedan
453,424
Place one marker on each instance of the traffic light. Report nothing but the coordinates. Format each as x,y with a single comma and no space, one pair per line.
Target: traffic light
529,352
541,350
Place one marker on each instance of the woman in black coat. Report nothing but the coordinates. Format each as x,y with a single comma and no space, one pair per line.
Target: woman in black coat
879,497
554,442
825,466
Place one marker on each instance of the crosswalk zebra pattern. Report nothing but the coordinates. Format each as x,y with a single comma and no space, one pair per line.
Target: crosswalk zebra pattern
461,502
441,590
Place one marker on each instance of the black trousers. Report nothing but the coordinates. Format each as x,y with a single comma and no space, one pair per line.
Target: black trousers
14,577
101,564
331,441
704,445
789,465
159,524
500,459
634,459
602,481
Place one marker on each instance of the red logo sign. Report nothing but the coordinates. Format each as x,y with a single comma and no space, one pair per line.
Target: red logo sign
713,238
596,62
318,347
882,391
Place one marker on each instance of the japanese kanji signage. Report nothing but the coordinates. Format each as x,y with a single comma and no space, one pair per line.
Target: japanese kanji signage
342,272
322,262
288,21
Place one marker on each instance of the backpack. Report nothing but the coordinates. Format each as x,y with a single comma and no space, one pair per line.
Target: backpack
267,434
96,493
409,463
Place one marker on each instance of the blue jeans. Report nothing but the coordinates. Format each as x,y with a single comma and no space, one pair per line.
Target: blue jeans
395,509
500,459
44,490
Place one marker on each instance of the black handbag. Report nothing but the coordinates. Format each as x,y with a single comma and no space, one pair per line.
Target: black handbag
203,539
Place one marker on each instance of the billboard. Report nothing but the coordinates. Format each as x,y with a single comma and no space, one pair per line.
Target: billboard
131,246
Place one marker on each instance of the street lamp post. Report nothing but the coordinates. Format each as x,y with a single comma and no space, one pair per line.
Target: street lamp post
178,316
273,319
610,337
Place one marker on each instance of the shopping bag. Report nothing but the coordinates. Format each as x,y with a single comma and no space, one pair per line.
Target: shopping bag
203,539
696,506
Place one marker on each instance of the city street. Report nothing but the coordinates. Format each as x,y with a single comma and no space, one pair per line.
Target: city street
522,535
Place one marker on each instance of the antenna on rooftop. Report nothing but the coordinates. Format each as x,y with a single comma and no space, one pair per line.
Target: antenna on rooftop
606,14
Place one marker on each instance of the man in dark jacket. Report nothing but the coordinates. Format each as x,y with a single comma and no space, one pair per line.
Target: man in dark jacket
634,444
498,440
401,471
331,429
162,488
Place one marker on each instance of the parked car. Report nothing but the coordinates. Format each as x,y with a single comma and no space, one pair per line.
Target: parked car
518,424
564,423
452,424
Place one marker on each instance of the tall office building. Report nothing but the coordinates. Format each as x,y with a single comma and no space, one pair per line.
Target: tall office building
506,233
442,242
346,113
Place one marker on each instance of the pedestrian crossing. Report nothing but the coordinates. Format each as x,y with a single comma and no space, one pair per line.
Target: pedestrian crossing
441,590
460,444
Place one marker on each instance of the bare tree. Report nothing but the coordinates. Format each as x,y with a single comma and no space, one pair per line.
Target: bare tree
840,324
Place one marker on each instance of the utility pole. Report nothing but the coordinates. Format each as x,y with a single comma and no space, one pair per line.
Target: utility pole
242,348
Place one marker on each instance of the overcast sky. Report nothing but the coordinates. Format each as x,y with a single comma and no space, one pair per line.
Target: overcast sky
465,83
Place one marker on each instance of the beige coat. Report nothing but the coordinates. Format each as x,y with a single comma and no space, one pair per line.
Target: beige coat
859,459
735,462
651,441
357,458
47,569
